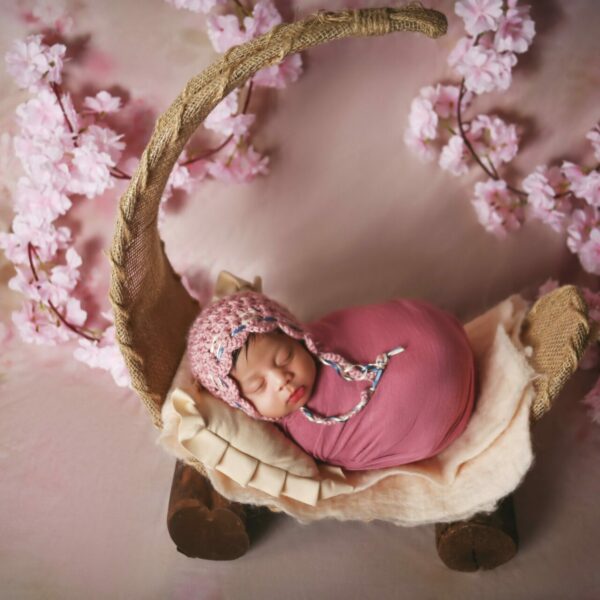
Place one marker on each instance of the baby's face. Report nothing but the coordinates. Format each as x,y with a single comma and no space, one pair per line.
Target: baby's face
277,374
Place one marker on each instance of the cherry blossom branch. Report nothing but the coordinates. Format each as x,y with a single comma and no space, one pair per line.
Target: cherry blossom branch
118,175
114,171
211,151
461,130
242,9
56,89
30,252
491,173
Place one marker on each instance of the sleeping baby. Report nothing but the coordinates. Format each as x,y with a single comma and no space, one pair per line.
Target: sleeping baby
362,388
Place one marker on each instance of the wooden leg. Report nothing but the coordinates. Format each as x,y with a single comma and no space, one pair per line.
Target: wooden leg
484,541
201,522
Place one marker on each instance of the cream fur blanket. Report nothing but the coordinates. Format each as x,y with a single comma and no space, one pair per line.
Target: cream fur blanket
487,462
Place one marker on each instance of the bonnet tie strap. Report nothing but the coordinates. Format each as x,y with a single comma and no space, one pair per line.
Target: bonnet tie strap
354,372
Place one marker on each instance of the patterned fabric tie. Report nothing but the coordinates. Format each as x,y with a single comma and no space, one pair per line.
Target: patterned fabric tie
370,372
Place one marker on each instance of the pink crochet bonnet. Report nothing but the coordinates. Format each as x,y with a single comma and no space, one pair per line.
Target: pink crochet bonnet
224,326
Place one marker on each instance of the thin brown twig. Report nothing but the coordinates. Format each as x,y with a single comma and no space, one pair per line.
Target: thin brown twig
30,252
56,89
463,135
119,175
493,173
211,151
242,8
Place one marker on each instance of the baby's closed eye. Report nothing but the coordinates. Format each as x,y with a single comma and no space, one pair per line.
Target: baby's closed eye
284,357
255,386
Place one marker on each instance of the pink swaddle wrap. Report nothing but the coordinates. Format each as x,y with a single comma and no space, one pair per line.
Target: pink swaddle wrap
422,403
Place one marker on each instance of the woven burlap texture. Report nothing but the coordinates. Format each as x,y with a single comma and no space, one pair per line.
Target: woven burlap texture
152,309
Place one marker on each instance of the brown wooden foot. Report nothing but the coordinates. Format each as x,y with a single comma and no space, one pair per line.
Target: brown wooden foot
201,522
484,541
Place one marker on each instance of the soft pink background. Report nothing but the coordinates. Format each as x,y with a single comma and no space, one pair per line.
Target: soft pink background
346,216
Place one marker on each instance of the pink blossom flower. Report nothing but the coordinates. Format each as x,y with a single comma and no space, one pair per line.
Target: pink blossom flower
103,102
45,172
594,136
456,55
486,70
281,74
36,326
223,119
29,227
224,32
41,116
104,140
264,17
515,31
47,203
105,354
240,167
24,283
67,276
589,188
582,185
454,156
496,208
444,99
422,119
422,147
41,290
592,401
589,252
479,15
181,178
542,187
38,157
30,60
197,6
582,223
492,137
91,170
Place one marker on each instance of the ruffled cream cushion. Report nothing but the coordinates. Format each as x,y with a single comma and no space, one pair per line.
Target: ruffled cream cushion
199,427
253,462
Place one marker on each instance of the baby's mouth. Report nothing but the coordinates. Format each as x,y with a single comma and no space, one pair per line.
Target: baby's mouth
297,395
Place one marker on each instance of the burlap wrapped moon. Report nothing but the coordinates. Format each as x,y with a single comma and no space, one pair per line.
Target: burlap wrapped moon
152,309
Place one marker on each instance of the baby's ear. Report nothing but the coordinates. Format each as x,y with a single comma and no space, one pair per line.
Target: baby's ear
228,283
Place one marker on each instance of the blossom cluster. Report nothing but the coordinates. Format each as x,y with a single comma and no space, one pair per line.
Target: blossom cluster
565,197
228,30
64,154
68,154
237,160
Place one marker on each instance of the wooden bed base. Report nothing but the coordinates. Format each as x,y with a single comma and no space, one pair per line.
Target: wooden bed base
203,524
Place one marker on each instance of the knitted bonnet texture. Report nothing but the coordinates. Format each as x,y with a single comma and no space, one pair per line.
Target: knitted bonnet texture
224,326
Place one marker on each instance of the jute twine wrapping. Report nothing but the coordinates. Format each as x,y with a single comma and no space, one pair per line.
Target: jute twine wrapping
152,309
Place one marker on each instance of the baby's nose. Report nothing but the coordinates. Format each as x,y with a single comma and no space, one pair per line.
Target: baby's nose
282,377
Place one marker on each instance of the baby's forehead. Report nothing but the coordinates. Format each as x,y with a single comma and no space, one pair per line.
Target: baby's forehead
263,342
258,346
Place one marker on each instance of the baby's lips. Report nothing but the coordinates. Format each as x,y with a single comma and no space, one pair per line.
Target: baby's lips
297,394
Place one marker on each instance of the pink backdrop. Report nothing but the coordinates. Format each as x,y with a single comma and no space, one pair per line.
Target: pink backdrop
348,215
